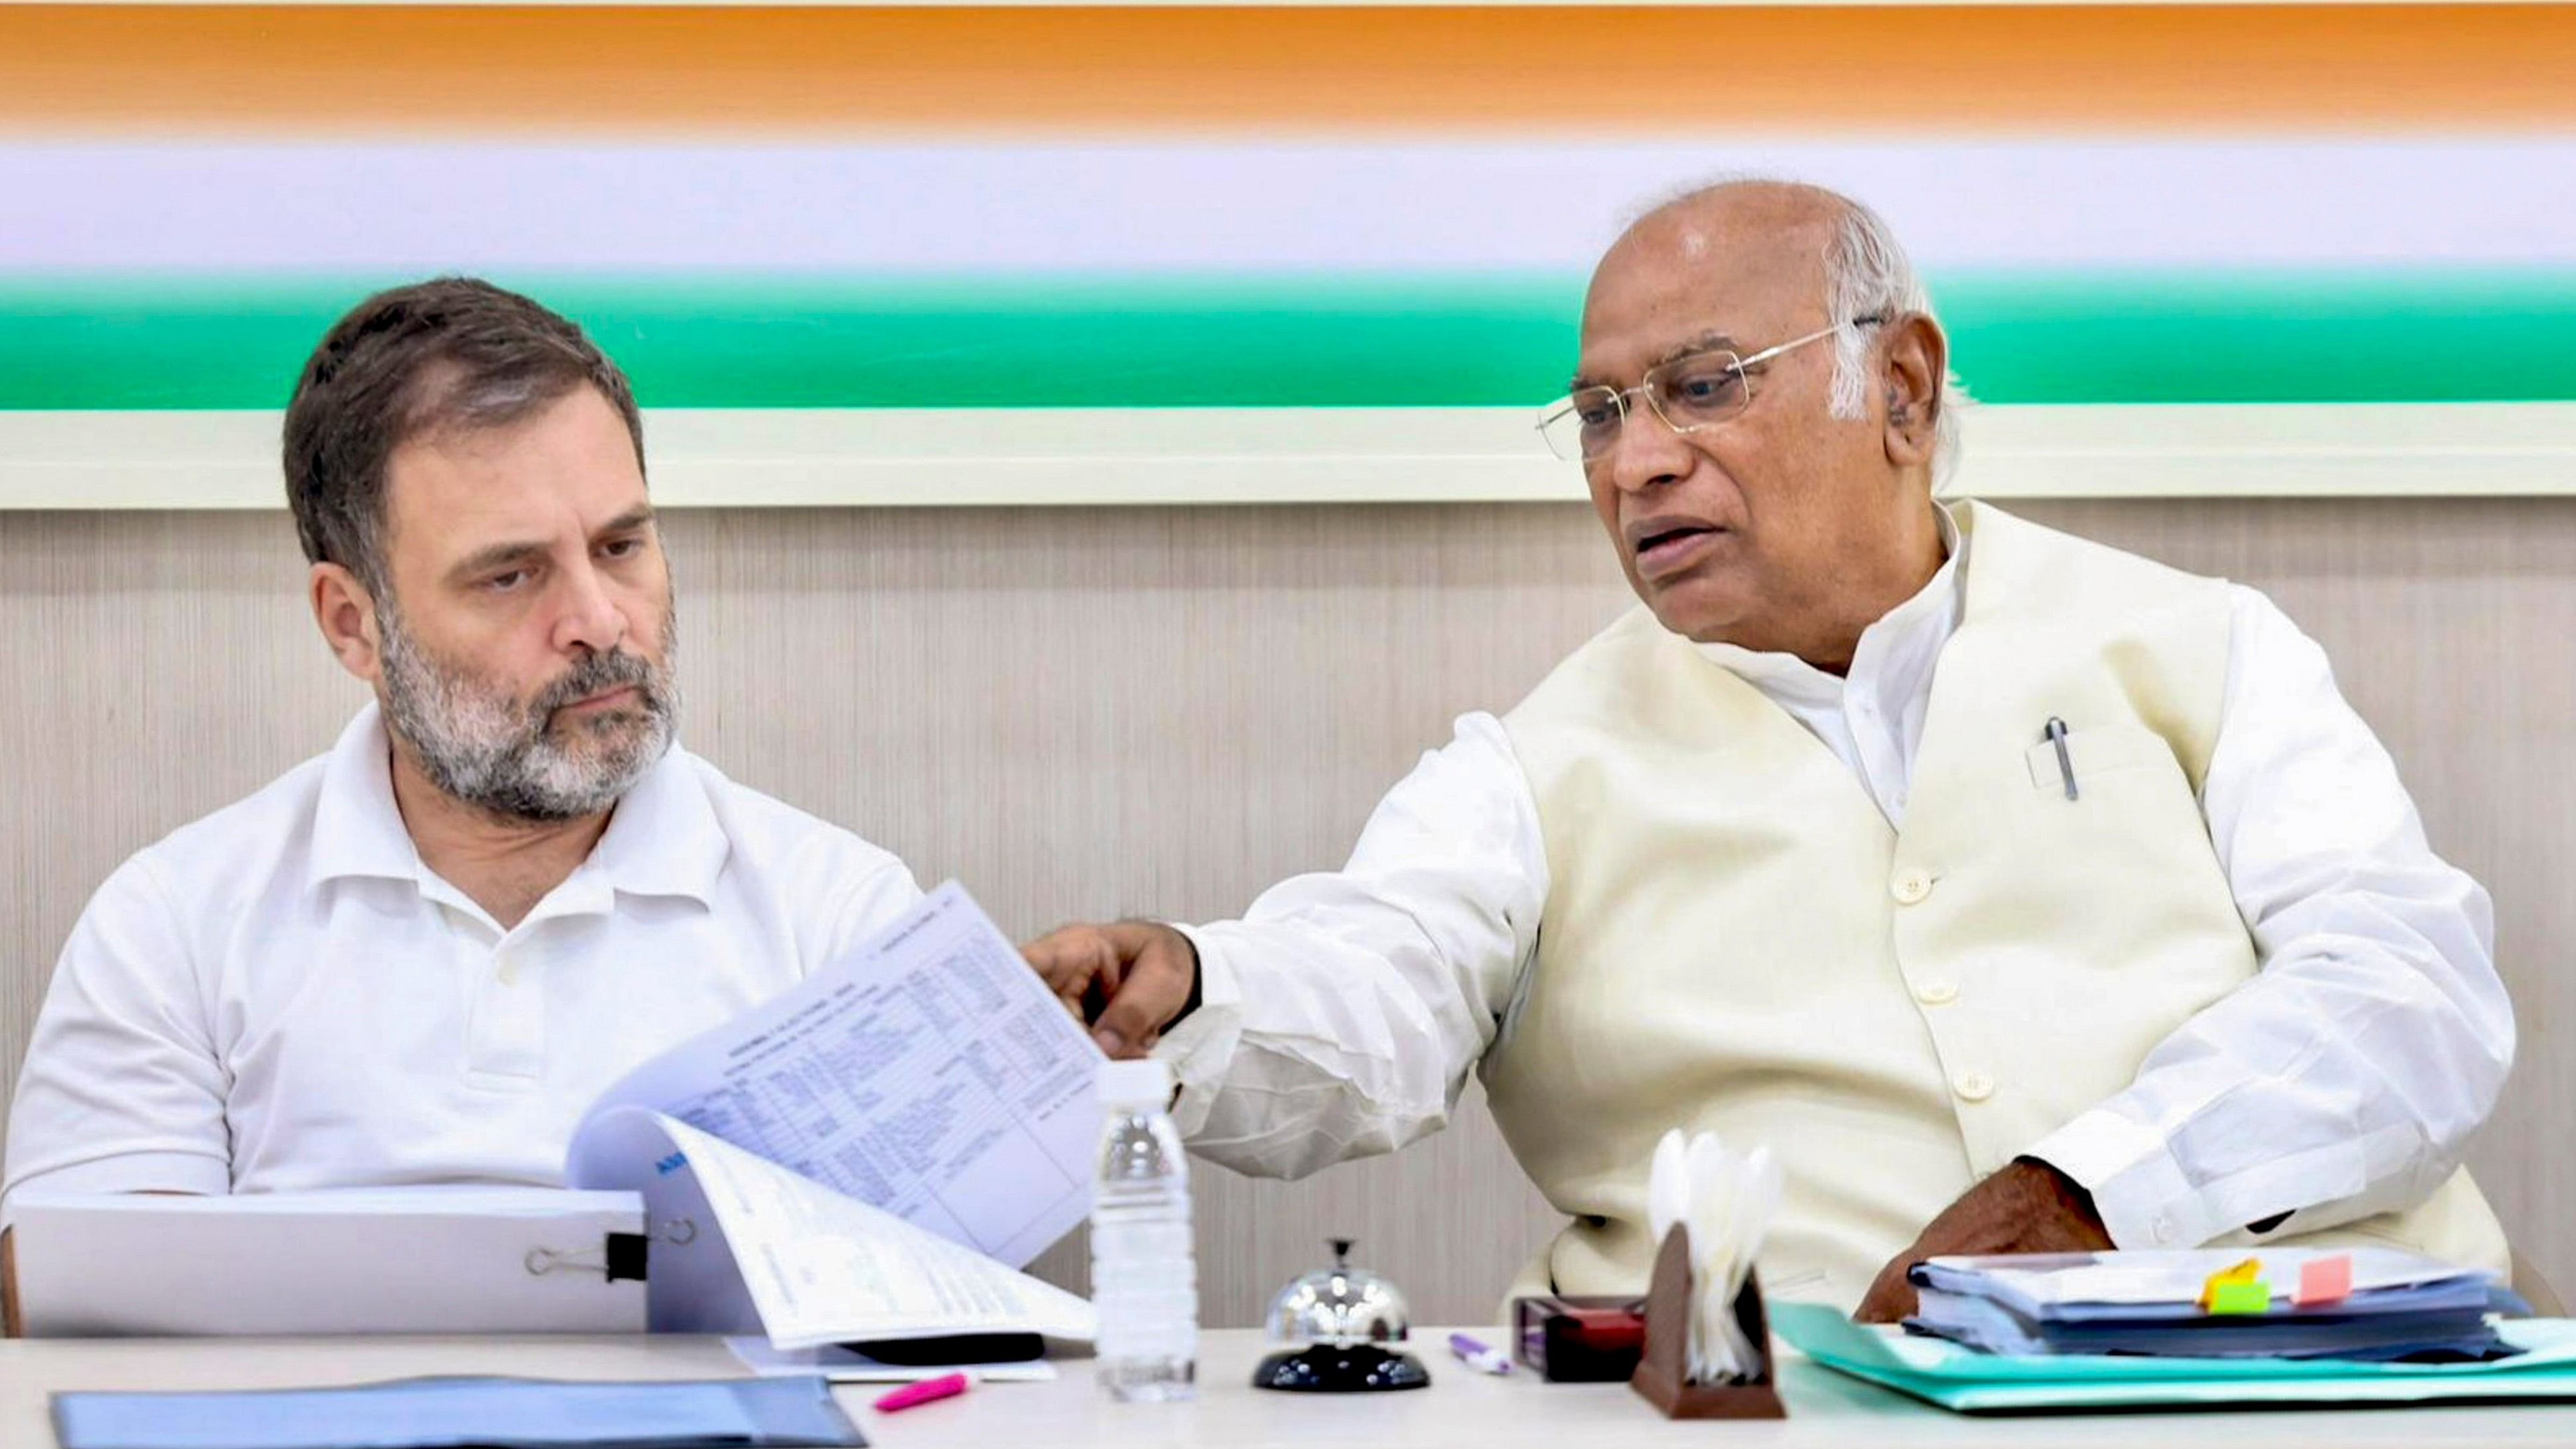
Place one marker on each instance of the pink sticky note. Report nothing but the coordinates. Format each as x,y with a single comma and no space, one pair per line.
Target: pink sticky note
2324,1280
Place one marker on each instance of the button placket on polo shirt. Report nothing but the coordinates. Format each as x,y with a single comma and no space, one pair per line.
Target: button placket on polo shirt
506,1040
505,1032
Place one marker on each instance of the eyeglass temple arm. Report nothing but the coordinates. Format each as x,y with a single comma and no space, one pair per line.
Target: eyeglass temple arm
1767,353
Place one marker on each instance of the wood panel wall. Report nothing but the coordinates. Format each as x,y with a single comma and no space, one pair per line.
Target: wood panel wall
1086,712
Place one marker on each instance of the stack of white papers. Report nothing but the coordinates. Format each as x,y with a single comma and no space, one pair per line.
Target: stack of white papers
2385,1305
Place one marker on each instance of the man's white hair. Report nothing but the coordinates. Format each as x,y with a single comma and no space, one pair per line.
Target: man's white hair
1867,274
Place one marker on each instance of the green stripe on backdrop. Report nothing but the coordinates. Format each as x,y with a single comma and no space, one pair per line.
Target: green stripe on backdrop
1314,341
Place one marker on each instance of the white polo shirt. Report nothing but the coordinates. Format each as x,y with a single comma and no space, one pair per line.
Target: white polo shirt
281,996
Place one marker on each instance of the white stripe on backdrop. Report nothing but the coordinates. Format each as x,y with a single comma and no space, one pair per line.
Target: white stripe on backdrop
405,208
793,458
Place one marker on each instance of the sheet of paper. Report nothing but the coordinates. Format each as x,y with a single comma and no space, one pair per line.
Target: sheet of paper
845,1366
824,1268
696,1287
378,1260
931,1075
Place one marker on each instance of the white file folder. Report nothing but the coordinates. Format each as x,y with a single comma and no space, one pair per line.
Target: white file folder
376,1260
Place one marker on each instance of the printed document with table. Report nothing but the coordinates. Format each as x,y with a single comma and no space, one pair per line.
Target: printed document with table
849,1160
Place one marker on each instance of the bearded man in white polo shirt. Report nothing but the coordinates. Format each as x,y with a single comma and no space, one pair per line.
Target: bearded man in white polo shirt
2022,895
417,958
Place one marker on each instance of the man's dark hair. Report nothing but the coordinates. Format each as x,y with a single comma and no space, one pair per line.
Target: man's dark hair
455,353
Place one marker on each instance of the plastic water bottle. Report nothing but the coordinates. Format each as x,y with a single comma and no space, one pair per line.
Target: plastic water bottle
1144,1271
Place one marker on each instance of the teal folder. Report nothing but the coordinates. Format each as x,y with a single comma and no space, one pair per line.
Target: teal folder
452,1413
1955,1377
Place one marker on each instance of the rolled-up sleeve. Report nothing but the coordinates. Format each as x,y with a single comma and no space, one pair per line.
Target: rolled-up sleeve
2346,1078
122,1090
1341,1015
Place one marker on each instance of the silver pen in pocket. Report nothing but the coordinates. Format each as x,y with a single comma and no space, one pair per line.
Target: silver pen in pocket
2055,734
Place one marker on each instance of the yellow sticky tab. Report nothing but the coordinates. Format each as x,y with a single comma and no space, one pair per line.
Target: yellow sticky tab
2235,1297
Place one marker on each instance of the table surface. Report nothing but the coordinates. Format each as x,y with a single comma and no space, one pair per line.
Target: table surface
1460,1407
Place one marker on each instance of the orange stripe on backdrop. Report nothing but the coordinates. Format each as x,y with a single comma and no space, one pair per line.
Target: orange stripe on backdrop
331,70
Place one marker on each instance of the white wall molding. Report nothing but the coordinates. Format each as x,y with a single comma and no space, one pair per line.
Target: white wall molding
941,457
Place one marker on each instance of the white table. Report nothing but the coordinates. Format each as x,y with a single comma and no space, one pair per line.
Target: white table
1460,1407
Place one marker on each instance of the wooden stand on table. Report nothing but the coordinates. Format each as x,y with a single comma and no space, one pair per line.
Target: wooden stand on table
11,1323
1663,1376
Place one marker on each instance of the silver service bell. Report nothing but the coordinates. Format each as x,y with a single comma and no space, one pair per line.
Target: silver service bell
1342,1320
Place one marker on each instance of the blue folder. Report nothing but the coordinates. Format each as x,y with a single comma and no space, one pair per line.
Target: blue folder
450,1413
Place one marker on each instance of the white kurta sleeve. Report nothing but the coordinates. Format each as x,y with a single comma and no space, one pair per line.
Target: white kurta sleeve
2346,1077
122,1090
1341,1015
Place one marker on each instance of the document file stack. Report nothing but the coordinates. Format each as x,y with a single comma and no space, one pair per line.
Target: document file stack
2373,1304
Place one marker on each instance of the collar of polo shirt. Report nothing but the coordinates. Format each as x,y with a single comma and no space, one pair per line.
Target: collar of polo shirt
663,840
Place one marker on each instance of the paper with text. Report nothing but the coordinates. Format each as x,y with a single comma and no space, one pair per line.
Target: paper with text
930,1075
821,1267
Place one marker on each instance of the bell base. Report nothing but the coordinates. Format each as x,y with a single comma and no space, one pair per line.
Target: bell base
1361,1368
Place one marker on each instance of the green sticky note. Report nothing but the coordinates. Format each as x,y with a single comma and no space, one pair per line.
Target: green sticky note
2254,1297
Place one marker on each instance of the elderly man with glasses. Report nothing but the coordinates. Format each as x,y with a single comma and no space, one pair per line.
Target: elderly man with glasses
2021,894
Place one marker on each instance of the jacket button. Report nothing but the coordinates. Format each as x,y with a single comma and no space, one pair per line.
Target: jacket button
1937,993
1911,886
1974,1086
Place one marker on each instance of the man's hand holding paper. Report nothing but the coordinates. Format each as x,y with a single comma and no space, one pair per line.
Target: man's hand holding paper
1129,979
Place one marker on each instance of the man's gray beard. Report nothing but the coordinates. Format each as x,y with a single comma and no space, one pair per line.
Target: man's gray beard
477,745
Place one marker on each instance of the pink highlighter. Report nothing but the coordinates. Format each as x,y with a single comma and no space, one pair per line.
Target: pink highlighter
946,1386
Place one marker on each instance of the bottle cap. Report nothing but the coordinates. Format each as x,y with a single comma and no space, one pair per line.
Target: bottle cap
1145,1083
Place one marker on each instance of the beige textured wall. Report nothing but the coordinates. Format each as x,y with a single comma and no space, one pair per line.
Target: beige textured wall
1086,712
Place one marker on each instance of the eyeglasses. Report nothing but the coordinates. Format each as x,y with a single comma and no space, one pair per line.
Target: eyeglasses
1694,391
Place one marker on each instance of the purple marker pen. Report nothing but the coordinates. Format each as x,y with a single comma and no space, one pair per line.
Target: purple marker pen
1476,1356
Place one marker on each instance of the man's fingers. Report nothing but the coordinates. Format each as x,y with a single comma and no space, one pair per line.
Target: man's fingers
1127,978
1071,955
1152,988
1068,957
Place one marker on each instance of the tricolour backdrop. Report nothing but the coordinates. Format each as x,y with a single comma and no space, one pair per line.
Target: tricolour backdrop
1065,253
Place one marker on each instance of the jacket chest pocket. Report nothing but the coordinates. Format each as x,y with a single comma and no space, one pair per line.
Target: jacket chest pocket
2094,752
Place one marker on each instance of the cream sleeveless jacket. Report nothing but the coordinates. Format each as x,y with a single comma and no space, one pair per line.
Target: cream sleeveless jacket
1736,939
